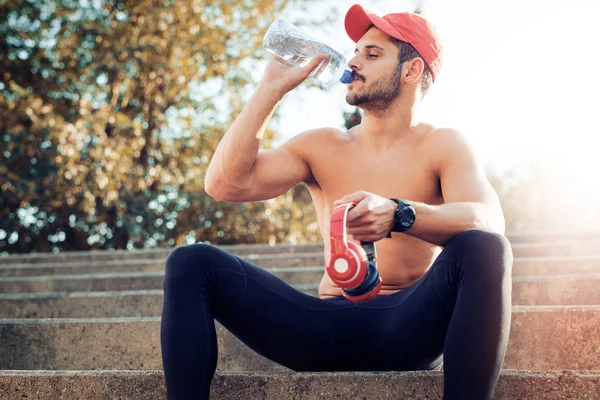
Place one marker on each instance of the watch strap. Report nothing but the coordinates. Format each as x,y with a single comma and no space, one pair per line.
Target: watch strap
401,224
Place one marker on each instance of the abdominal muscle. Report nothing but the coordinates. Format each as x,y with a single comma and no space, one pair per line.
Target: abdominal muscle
405,169
401,261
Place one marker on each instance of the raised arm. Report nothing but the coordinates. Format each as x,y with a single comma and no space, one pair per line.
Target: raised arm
237,171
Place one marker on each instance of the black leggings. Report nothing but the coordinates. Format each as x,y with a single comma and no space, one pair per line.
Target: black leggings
460,308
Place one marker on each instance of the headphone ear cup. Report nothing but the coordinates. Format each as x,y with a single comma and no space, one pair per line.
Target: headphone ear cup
360,252
361,268
370,282
352,269
369,288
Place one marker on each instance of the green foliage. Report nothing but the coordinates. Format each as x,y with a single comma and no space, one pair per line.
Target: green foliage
109,114
351,119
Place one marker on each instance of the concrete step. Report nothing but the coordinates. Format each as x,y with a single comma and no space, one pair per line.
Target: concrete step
285,263
110,304
146,264
537,237
264,260
548,244
556,249
129,294
135,385
83,282
122,281
82,267
542,338
160,253
565,290
556,265
575,289
141,266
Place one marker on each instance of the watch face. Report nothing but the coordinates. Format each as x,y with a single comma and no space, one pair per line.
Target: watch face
407,217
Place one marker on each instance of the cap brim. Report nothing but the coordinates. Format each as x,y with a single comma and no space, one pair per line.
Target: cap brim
358,21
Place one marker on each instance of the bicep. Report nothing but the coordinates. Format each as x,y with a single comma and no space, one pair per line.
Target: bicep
463,180
275,172
462,177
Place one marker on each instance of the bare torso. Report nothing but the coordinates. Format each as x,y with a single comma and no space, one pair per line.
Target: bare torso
341,165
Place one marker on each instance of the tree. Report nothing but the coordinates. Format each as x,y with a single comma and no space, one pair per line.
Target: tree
109,114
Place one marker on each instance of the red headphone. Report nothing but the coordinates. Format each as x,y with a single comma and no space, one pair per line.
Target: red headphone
348,264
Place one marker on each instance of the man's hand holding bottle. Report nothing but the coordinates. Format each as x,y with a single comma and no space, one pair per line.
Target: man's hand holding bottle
283,77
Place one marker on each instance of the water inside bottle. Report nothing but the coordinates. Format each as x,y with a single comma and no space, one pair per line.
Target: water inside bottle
295,47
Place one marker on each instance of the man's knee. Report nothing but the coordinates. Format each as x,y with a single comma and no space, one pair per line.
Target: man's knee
187,263
483,250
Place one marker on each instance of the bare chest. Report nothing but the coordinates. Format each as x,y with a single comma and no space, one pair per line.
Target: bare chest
404,172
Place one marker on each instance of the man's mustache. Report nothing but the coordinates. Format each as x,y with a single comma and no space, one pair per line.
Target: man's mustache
356,74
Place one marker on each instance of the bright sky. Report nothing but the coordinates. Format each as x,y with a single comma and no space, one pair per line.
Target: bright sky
520,79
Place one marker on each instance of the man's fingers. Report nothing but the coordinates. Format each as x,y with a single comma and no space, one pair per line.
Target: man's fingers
358,211
356,219
365,238
360,227
314,63
352,197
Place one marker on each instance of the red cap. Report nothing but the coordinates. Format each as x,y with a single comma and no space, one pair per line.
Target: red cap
405,26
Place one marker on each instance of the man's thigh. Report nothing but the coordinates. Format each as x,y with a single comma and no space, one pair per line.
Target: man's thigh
404,330
414,333
277,321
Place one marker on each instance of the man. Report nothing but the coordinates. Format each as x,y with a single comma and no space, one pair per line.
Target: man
446,268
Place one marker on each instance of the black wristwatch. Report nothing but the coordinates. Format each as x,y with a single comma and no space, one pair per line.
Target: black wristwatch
404,218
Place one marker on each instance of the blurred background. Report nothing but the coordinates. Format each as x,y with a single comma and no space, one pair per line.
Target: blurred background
110,112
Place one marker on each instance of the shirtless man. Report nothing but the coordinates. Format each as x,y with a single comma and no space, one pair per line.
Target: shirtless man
446,293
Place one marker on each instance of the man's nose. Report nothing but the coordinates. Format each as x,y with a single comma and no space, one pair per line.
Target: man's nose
353,63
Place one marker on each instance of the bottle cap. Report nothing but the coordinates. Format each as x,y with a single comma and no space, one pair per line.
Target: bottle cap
347,77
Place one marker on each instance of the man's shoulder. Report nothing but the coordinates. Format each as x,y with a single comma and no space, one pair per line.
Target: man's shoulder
326,133
307,140
446,139
448,145
441,134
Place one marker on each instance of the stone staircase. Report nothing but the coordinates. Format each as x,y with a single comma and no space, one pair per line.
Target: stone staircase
85,325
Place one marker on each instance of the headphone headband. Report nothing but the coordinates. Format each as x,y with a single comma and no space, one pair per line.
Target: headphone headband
337,228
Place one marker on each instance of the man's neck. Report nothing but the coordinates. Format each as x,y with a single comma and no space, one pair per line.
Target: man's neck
382,130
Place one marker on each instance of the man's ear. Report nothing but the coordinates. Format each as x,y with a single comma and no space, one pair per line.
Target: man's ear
413,70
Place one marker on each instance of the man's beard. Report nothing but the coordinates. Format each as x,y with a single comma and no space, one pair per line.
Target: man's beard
380,95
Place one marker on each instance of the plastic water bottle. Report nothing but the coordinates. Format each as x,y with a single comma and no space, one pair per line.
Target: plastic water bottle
290,44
